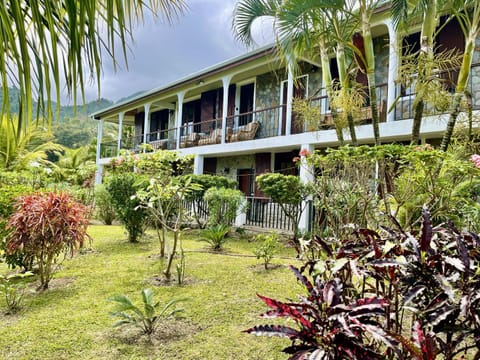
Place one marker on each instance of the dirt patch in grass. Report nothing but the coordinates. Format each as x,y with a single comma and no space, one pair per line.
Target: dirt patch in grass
7,319
167,331
159,281
58,283
261,268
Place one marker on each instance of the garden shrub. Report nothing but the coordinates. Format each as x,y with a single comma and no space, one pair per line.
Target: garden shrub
223,205
122,189
266,248
146,317
215,236
45,226
104,209
205,182
288,192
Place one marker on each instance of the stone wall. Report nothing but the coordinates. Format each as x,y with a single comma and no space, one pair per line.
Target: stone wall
233,163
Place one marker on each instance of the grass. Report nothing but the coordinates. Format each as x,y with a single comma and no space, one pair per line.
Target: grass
71,320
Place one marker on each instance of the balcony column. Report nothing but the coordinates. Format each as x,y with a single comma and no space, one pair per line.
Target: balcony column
393,63
120,132
288,123
306,176
178,120
99,170
146,123
198,164
226,84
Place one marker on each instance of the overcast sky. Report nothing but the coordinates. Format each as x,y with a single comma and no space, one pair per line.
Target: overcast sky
162,53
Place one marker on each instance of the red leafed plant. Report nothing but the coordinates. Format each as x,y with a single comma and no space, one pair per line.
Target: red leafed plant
328,327
45,226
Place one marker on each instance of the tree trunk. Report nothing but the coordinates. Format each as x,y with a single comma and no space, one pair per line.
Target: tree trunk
460,89
342,73
370,69
417,122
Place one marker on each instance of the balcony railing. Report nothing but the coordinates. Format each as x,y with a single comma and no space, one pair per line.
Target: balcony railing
406,96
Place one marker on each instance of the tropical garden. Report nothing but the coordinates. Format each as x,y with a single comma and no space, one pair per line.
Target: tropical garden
151,264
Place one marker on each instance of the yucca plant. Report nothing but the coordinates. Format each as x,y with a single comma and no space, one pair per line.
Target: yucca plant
215,236
148,318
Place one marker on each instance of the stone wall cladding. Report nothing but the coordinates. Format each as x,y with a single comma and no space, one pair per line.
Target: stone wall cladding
233,163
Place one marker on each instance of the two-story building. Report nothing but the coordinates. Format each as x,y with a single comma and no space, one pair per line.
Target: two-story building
236,117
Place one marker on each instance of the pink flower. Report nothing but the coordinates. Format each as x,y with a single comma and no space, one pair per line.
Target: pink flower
304,153
475,158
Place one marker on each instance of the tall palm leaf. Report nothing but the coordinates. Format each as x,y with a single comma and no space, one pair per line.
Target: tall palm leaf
42,39
299,27
468,14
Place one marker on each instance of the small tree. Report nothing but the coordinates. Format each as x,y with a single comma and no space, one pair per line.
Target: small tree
122,188
104,209
266,248
45,226
288,191
165,204
223,205
206,182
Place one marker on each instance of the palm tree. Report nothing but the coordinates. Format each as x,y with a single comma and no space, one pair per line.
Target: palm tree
468,14
26,149
299,25
41,39
428,10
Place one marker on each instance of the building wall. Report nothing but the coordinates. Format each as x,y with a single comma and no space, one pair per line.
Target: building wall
233,163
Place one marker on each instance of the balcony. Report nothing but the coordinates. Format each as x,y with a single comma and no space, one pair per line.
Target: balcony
263,123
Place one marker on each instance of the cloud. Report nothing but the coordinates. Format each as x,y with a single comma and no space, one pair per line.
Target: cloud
162,53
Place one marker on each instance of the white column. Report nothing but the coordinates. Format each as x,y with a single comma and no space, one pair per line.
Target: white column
393,63
99,170
306,176
288,123
178,120
226,83
146,123
120,131
198,165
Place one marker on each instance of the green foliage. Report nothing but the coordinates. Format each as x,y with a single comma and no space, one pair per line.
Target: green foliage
205,182
146,317
104,209
45,226
215,236
289,192
122,189
13,292
267,247
8,198
223,205
165,203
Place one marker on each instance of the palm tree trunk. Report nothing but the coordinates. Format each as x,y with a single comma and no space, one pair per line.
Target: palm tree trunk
327,81
417,121
370,69
342,73
460,88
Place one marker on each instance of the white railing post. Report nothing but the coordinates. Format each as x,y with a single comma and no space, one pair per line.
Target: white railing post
178,120
392,69
226,84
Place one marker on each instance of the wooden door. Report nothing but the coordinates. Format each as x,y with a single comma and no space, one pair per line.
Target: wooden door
245,181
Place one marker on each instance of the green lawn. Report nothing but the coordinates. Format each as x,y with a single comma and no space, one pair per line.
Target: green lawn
71,320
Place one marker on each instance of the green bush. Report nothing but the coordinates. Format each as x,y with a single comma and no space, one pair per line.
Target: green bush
122,189
215,236
266,248
146,317
223,205
104,209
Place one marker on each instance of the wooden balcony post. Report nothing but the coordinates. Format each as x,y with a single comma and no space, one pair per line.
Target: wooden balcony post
392,68
146,123
226,83
178,120
120,132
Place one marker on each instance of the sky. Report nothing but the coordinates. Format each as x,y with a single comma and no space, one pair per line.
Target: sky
162,53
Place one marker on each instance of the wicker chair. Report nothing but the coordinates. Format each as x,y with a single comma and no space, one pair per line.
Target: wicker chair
246,132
